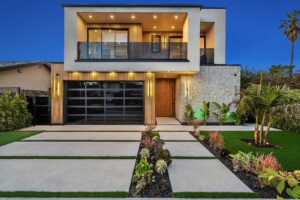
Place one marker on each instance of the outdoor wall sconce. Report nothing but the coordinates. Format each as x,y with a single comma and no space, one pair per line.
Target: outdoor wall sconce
150,85
186,88
56,86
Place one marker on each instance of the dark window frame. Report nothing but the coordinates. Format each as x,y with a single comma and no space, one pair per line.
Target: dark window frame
158,43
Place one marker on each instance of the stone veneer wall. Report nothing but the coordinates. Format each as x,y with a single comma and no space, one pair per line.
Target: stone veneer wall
214,83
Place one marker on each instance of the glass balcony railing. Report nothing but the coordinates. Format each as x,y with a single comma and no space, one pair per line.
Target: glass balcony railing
207,55
101,51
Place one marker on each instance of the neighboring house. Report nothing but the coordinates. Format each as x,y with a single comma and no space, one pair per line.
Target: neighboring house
133,63
27,78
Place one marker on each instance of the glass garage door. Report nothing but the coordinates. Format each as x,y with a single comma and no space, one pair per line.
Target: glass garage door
104,102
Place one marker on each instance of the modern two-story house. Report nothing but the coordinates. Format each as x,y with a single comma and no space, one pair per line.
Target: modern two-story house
128,64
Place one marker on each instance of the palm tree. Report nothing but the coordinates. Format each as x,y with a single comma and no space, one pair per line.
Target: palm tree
291,30
222,110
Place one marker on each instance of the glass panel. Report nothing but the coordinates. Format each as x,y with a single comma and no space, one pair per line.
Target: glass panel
76,93
114,94
134,111
76,84
114,102
76,119
121,44
135,85
108,43
114,85
76,111
156,43
95,85
175,48
95,102
42,101
94,45
95,93
133,93
95,111
114,111
76,102
134,102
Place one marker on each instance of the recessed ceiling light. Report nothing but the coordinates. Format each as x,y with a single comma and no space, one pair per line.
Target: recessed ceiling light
90,16
132,17
155,16
172,27
109,30
176,16
96,31
154,27
112,16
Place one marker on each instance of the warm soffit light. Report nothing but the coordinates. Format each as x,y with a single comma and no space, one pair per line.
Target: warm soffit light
176,16
96,31
154,27
132,17
90,16
155,16
112,16
172,27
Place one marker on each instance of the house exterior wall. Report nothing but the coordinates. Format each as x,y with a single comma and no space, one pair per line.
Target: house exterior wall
35,77
219,83
191,33
218,17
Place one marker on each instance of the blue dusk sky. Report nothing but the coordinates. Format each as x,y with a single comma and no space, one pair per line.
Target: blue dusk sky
33,29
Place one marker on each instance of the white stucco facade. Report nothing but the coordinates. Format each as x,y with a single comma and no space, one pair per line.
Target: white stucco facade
75,31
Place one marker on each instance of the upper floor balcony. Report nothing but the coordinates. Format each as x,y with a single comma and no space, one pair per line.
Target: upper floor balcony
132,37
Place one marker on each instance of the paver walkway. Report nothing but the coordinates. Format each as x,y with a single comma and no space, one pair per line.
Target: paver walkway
70,175
176,136
70,149
87,136
200,174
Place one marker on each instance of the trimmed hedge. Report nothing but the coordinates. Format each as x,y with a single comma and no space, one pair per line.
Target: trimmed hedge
13,112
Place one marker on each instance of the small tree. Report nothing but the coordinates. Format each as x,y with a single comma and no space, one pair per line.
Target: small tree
13,112
291,30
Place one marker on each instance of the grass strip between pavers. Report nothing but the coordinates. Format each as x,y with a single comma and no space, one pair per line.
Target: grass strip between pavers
68,157
192,157
180,140
64,194
78,141
215,195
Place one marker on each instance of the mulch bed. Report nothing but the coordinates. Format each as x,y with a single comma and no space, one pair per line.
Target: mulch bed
252,143
249,179
161,187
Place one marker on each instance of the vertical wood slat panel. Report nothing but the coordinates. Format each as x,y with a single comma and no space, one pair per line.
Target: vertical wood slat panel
57,95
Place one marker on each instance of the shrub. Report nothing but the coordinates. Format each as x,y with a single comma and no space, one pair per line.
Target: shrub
188,114
243,161
161,166
145,153
205,111
222,110
164,154
216,140
13,112
196,124
148,142
200,135
264,161
282,181
143,171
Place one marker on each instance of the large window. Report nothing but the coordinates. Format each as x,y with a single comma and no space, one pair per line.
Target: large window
104,102
107,43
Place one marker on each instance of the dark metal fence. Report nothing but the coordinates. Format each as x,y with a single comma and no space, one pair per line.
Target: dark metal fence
132,51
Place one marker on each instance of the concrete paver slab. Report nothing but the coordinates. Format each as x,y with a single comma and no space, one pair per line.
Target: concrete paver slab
70,149
203,175
57,175
86,136
176,136
191,149
167,120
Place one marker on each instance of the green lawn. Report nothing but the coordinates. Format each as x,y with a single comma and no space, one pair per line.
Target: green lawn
288,153
11,136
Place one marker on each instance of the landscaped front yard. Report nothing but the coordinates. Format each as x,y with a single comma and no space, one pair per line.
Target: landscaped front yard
12,136
287,152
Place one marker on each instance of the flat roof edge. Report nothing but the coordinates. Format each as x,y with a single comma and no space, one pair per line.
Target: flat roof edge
135,5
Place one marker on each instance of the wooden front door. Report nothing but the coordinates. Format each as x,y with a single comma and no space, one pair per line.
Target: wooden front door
165,98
